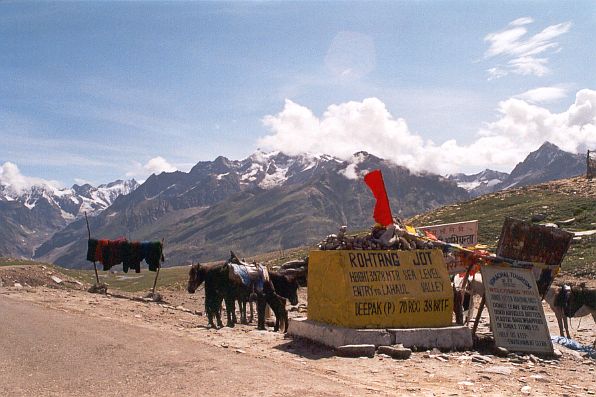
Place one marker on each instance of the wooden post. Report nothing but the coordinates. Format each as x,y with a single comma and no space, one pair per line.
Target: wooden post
480,309
462,294
89,233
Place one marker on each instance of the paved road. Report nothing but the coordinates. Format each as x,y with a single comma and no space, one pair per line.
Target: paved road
50,352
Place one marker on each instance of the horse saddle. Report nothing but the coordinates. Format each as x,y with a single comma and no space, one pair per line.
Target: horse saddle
251,275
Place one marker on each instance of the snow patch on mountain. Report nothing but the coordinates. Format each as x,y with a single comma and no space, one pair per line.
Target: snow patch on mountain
71,202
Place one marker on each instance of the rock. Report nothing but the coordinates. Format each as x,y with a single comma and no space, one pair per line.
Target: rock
539,378
356,351
18,286
538,217
498,369
566,222
56,279
500,351
465,383
526,389
240,351
481,359
398,352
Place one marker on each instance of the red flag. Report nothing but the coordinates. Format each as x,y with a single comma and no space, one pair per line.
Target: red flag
382,214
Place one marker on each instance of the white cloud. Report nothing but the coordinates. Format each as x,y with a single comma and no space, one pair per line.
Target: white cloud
15,181
350,127
521,51
156,166
543,94
350,171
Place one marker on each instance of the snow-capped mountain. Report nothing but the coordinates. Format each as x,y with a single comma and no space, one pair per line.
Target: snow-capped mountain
30,216
71,202
265,202
481,183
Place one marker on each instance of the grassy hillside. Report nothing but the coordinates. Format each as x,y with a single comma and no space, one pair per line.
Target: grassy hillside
558,200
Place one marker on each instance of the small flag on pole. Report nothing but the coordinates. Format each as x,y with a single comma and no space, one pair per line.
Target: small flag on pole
382,214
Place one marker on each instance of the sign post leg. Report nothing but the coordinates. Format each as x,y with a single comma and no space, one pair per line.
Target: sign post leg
478,315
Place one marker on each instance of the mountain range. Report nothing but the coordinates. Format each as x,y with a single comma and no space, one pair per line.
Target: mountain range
545,164
266,202
263,203
31,216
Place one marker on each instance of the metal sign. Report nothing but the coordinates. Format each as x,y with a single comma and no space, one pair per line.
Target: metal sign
462,233
515,309
524,241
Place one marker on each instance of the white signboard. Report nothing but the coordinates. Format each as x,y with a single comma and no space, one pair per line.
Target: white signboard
462,233
515,309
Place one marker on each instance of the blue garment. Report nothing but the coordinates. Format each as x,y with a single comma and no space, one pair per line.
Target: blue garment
574,345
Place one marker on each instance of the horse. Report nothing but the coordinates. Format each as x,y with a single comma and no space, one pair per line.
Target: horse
217,288
567,302
285,286
252,281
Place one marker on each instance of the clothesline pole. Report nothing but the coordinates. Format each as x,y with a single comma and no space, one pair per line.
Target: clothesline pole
157,274
155,281
89,233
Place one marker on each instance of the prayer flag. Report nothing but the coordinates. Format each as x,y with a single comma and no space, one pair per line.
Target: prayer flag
382,213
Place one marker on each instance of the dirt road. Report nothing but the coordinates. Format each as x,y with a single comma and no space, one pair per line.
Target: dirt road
66,341
49,352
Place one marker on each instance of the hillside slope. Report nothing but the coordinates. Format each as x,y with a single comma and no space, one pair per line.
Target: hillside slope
558,200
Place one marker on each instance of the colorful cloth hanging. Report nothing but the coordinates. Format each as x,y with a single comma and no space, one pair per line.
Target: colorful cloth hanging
130,253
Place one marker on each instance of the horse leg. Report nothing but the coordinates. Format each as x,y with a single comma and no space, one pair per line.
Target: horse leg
252,313
217,311
231,311
278,305
209,310
242,306
559,315
566,324
261,312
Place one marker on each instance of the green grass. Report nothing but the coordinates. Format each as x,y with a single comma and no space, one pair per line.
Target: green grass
20,262
491,210
173,277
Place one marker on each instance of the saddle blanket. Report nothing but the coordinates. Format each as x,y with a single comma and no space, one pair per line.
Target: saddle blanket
251,275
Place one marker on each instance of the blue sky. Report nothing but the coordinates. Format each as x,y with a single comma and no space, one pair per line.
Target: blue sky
101,91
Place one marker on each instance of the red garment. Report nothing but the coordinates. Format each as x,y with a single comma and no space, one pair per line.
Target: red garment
382,213
99,250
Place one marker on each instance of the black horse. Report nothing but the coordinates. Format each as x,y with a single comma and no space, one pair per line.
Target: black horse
221,285
217,288
285,286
